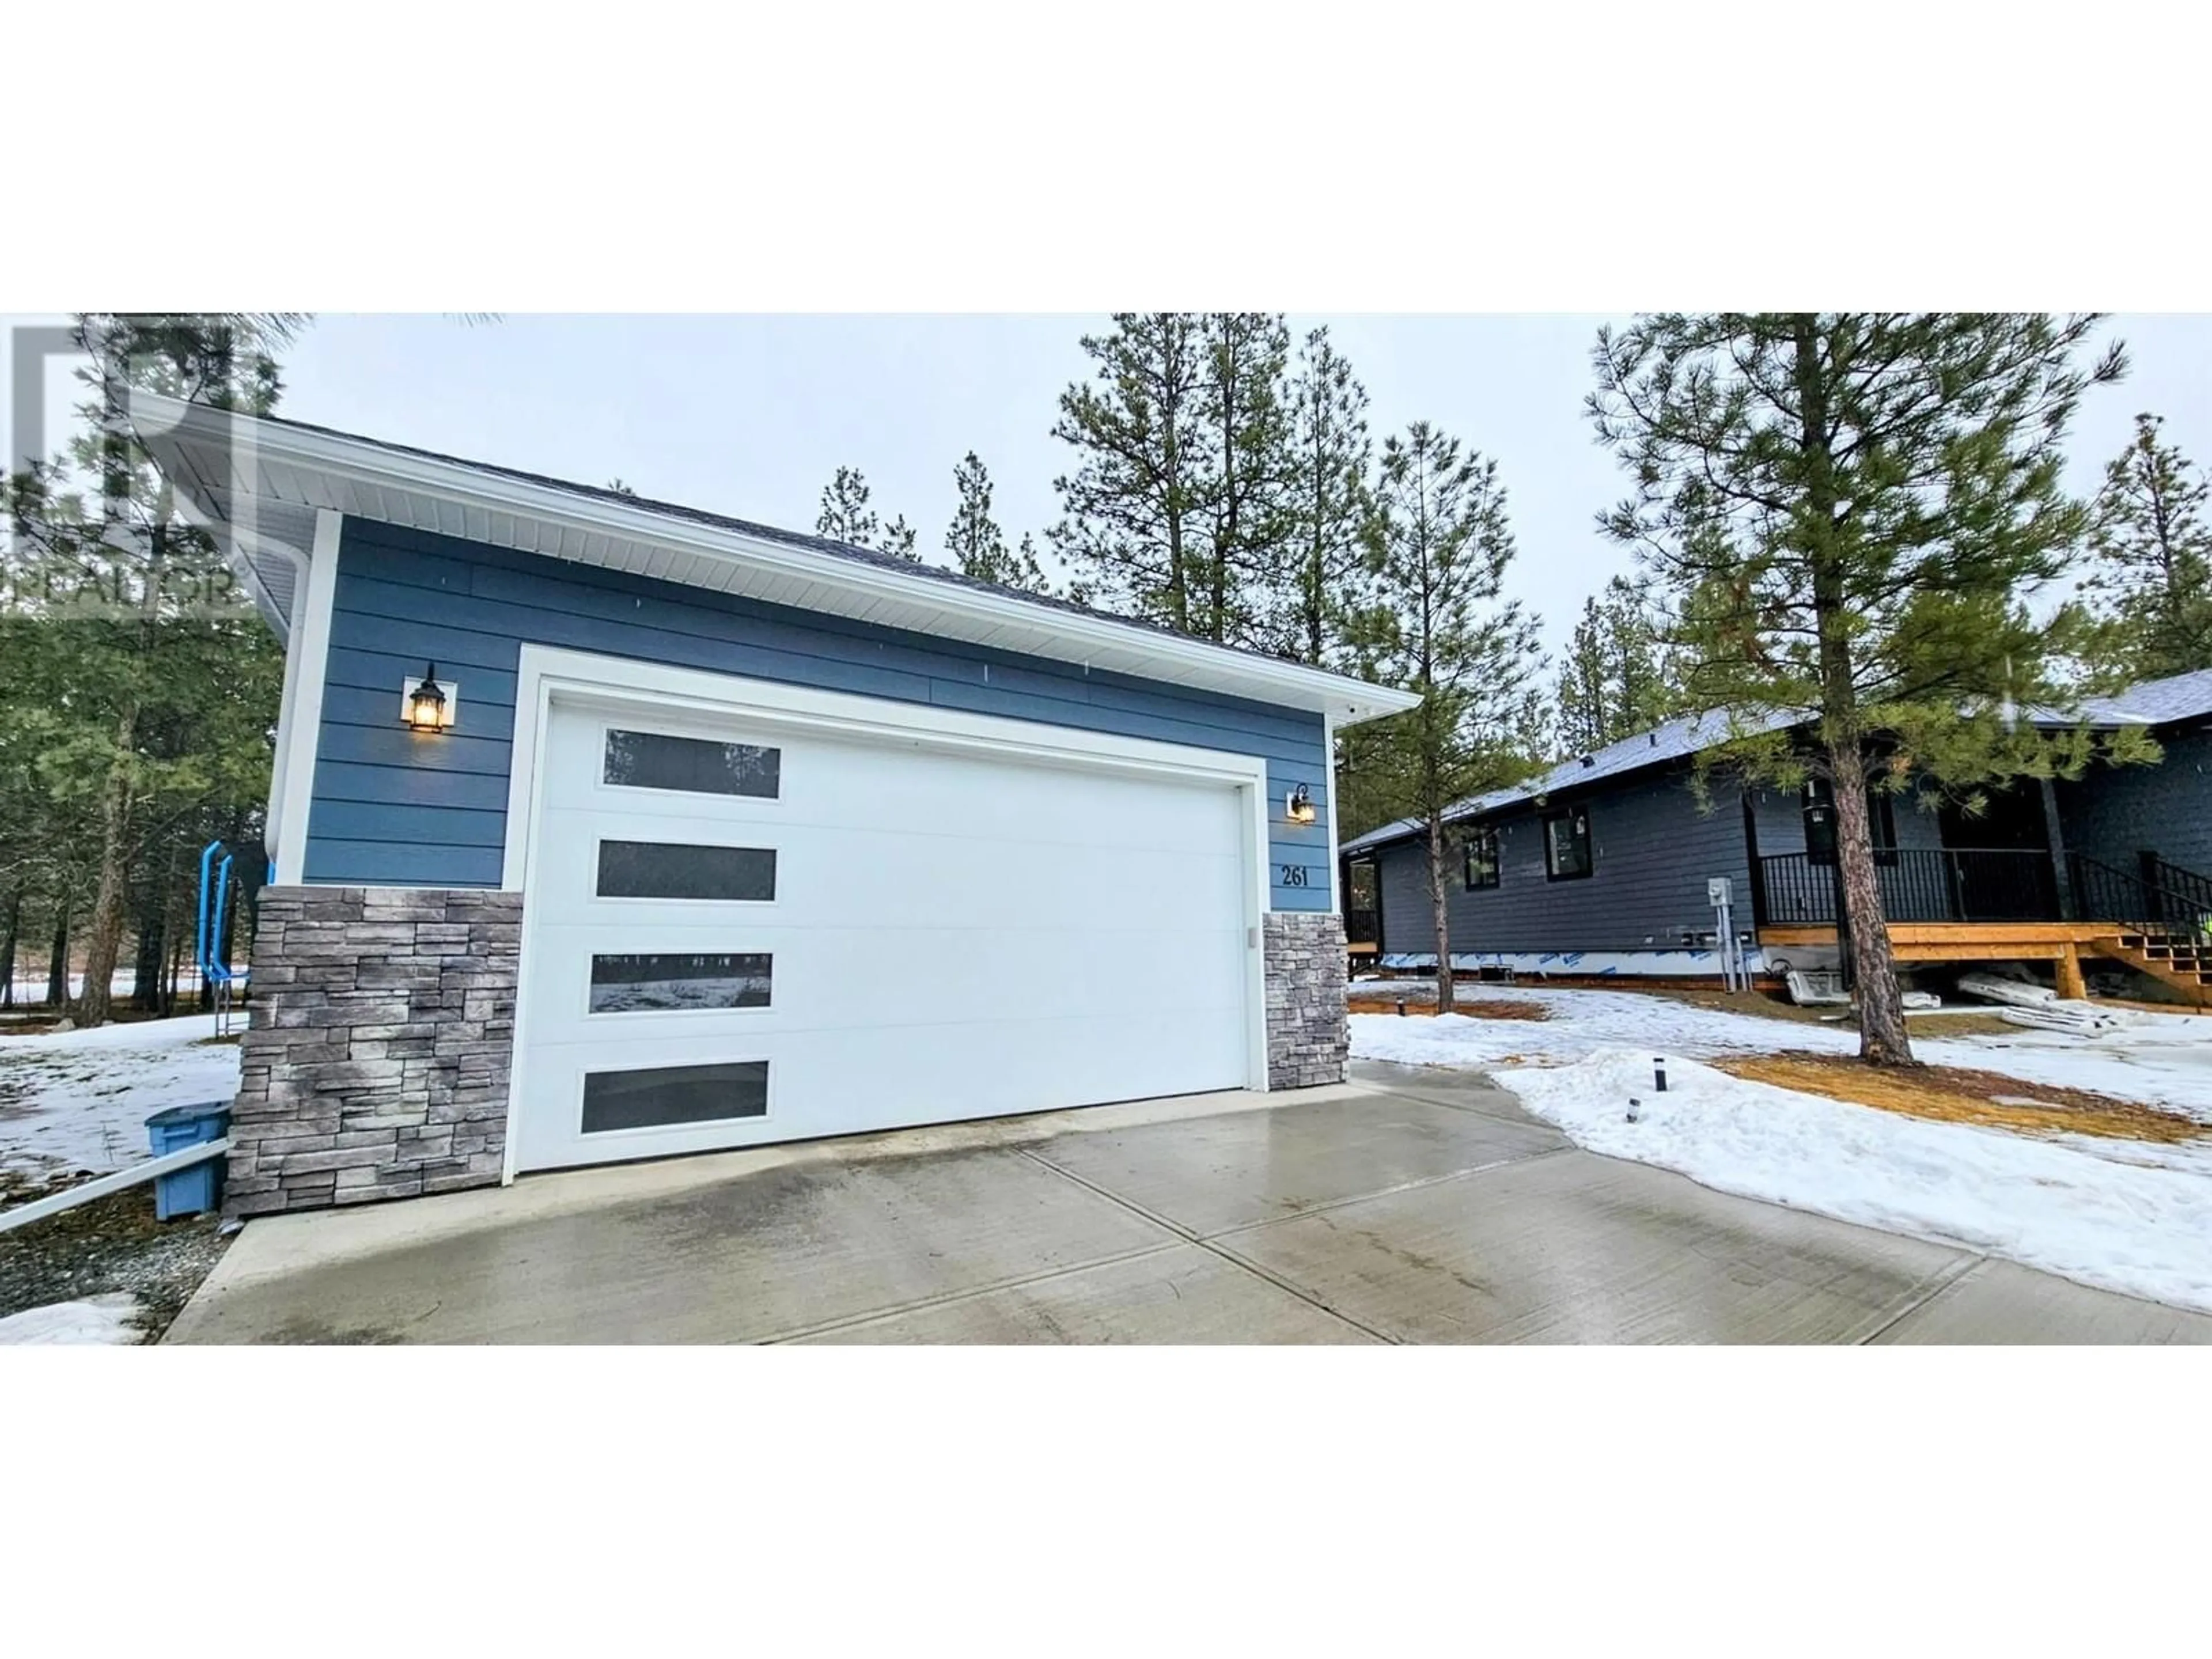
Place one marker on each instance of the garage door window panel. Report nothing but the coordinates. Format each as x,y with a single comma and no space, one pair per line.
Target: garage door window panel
695,766
680,981
663,1095
680,870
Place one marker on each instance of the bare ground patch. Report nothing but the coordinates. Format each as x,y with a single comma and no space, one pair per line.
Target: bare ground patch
110,1243
1472,1007
1950,1094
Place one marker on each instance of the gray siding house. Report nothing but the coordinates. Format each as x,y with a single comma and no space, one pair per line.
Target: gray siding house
605,829
1603,866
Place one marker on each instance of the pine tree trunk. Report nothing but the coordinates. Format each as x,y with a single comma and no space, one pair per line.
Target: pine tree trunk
148,950
111,903
8,948
58,974
1882,1037
1442,912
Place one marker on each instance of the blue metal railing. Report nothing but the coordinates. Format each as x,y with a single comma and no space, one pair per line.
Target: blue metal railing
215,913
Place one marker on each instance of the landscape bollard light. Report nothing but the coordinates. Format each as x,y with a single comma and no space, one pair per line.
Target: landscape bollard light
1659,1072
1635,1109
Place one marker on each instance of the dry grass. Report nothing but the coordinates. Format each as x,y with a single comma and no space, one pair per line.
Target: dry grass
1949,1094
1972,1022
1472,1007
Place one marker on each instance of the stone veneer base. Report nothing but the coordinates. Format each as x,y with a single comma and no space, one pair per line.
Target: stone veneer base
1308,1038
376,1064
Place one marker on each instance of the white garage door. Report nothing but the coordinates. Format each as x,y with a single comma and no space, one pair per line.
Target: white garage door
738,935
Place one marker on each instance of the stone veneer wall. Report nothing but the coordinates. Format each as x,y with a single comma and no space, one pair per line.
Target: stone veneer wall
1307,1036
375,1065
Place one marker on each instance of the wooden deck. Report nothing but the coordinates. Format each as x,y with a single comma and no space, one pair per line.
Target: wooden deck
2061,943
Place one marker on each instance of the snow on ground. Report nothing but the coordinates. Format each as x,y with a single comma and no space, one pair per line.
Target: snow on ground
2166,1062
2059,1206
1581,1021
105,1321
79,1100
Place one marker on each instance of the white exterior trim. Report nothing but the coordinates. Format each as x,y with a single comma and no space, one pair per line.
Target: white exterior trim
1328,763
300,716
544,673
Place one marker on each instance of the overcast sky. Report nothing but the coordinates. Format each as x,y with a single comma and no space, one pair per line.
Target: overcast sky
750,414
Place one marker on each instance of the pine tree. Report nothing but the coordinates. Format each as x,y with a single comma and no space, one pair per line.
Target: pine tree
1613,683
1438,549
845,515
977,543
2153,552
1849,511
1245,470
127,611
1132,511
1329,502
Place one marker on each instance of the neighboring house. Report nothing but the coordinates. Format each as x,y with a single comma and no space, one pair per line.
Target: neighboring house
1604,865
707,835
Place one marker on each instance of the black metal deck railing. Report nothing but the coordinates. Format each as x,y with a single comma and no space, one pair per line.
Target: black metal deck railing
1917,884
2155,895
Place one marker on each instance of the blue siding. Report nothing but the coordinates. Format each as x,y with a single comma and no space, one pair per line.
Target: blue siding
391,808
2114,812
1652,848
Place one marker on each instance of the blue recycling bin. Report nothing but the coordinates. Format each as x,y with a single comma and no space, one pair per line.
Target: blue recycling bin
197,1189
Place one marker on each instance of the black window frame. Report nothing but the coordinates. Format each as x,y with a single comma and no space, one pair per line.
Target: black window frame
1484,837
1586,841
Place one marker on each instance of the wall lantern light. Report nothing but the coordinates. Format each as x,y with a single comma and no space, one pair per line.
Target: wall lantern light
428,704
1299,807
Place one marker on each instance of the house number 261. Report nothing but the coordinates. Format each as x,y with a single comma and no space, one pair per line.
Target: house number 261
1294,875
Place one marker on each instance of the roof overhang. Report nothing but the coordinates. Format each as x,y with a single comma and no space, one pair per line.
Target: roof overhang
259,484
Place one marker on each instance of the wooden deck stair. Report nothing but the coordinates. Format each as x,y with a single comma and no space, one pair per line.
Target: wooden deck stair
2184,964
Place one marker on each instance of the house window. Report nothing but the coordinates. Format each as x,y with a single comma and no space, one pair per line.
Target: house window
665,1096
1820,808
653,760
1567,845
1479,848
643,982
659,870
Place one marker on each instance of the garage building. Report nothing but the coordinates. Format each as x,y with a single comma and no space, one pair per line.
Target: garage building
605,829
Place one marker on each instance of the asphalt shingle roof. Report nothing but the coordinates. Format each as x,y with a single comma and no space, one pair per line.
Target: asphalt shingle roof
2157,703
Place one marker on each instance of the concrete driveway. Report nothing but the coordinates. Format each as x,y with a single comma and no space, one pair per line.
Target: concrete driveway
1407,1207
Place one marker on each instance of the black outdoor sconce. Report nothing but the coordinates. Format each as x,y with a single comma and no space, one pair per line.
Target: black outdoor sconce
428,704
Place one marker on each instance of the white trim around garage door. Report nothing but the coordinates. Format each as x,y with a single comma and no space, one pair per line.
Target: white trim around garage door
546,673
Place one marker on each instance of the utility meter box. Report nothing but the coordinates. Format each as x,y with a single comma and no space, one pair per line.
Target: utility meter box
1717,892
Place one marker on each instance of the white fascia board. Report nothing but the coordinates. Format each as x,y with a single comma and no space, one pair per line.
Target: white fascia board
300,717
1044,631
